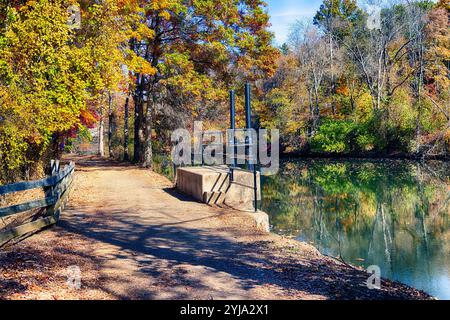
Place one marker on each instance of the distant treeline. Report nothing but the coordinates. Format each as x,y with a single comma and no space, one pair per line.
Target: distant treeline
347,85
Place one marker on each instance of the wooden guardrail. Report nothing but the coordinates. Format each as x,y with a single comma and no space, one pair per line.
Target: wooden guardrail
56,187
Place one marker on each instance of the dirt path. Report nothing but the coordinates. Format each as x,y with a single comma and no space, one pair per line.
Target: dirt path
134,238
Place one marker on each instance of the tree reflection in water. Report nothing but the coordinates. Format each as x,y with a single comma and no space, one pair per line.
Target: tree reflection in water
394,214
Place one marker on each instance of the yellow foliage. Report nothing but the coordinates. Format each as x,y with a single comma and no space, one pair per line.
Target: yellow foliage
49,73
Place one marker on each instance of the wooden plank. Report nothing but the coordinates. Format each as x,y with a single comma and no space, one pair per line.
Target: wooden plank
54,164
29,185
67,171
62,186
55,203
42,203
69,192
64,195
22,186
9,211
22,230
54,210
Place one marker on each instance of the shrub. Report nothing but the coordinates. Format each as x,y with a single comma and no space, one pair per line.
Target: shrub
334,136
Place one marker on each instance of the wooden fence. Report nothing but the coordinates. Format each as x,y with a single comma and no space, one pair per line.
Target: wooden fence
56,187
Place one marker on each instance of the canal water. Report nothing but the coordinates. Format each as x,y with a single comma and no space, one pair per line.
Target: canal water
392,214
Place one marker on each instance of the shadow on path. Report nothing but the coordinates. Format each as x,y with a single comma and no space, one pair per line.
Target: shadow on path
158,251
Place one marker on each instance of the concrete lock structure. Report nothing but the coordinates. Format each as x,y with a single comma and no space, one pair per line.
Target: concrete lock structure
228,185
213,186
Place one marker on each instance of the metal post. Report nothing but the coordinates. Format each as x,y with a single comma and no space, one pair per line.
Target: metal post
248,117
232,110
233,127
252,166
202,149
255,181
175,174
248,106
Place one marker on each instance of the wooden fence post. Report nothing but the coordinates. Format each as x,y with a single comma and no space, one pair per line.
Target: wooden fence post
53,190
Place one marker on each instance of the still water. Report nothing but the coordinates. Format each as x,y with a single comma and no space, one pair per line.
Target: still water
393,214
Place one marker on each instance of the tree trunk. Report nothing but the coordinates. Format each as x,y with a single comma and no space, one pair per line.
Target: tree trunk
311,112
137,120
148,127
419,97
316,109
126,151
110,126
101,146
333,82
141,132
137,124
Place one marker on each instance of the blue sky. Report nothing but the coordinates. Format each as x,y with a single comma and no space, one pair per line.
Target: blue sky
286,12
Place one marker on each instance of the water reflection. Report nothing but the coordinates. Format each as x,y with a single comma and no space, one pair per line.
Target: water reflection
394,214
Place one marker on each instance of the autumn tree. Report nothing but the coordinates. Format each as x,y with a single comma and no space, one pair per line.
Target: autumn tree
55,79
337,19
39,93
199,49
310,50
366,90
437,74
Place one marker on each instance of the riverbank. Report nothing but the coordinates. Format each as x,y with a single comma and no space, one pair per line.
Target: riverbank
133,237
365,156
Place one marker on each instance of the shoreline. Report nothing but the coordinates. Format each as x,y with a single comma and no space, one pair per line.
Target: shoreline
284,243
368,157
